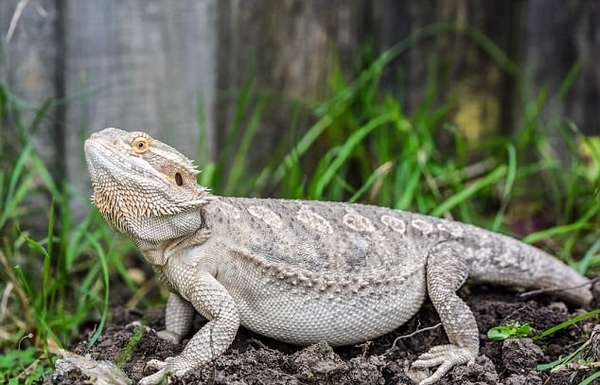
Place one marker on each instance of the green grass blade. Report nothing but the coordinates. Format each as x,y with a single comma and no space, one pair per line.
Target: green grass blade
591,379
18,187
303,145
591,254
560,361
508,185
238,167
103,259
567,83
377,176
342,156
568,322
465,194
555,231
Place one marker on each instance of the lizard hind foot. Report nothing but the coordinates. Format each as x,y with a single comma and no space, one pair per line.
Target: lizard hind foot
444,356
169,336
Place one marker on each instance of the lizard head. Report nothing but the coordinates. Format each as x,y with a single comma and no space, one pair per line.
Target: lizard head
137,179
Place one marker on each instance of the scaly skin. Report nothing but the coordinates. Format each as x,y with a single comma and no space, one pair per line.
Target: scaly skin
300,271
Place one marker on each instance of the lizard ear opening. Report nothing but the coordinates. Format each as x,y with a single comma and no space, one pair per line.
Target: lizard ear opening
178,179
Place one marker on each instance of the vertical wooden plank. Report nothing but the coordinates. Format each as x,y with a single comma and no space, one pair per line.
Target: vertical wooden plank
140,65
290,47
561,35
28,68
484,89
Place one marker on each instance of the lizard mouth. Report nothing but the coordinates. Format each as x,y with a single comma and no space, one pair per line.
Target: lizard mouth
98,152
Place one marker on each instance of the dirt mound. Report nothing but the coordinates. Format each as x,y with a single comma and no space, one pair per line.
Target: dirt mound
253,359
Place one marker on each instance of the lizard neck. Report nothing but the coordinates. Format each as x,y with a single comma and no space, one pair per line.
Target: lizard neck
161,237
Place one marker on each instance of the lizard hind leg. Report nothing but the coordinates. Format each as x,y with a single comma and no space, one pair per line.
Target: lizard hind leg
446,273
179,316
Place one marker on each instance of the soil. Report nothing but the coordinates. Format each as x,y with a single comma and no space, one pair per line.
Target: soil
254,359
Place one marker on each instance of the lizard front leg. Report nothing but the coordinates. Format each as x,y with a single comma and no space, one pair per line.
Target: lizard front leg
214,303
446,273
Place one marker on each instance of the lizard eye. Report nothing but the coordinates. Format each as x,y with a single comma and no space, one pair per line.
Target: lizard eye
140,145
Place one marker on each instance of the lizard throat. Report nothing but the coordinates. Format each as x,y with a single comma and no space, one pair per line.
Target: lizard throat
133,213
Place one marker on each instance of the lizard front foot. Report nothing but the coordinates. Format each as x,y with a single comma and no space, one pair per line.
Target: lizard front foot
444,356
162,375
167,369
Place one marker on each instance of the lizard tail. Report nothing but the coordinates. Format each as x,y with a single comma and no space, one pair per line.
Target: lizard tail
513,263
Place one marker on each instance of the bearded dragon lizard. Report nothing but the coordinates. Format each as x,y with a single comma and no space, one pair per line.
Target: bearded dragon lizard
300,271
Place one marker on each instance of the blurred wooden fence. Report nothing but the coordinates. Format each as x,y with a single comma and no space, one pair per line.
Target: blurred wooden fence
174,67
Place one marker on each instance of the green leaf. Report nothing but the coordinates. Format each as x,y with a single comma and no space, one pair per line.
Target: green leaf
513,330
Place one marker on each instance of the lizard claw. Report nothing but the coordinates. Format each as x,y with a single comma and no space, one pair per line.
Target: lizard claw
444,356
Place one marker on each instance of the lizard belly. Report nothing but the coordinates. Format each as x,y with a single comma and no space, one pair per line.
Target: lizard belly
339,314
